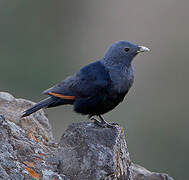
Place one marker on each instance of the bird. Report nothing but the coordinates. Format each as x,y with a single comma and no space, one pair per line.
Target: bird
98,87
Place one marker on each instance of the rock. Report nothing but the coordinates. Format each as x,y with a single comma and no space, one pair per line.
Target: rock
92,152
37,123
25,143
23,156
89,152
4,96
85,151
140,173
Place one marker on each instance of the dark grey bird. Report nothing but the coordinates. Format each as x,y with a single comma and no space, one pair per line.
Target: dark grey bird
97,87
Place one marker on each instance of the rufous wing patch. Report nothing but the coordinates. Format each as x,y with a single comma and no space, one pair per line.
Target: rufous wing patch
62,96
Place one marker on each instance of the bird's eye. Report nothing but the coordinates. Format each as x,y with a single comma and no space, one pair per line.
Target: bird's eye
126,49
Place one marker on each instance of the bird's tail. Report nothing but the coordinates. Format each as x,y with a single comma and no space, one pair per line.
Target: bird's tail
42,104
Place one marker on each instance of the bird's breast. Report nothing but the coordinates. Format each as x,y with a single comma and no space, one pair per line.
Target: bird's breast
122,80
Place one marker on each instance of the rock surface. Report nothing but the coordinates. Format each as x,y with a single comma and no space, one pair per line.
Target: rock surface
85,151
92,152
140,173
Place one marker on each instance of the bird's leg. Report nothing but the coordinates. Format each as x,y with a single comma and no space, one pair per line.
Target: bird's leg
106,124
94,119
102,120
102,123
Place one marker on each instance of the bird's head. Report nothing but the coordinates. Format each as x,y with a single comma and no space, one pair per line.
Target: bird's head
123,52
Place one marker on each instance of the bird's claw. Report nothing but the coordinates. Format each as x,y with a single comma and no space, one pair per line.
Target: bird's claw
114,124
104,124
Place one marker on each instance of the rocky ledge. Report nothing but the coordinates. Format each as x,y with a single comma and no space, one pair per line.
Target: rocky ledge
84,152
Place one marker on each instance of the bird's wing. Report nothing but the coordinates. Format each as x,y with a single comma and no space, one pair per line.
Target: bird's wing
63,89
88,81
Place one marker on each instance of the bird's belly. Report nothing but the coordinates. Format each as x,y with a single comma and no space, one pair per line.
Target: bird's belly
98,105
114,100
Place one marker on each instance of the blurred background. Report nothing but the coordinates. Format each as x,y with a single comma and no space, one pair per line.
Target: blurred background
42,42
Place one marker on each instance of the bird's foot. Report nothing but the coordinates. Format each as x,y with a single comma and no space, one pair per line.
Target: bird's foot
102,123
114,124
